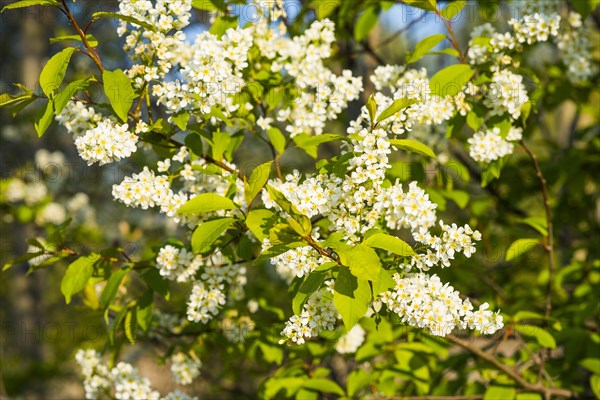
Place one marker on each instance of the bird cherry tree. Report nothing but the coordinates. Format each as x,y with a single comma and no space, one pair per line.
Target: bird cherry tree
345,257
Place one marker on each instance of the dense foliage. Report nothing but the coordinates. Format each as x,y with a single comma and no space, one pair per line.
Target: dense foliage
298,231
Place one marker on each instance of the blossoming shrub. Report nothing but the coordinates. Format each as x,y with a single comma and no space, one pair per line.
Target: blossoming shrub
346,257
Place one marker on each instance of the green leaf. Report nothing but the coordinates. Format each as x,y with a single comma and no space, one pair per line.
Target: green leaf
450,80
210,5
222,23
365,23
156,282
77,275
389,243
181,120
595,385
54,71
310,143
257,181
351,297
372,108
491,171
453,8
258,222
112,287
271,354
363,261
277,139
29,3
520,247
310,285
143,310
357,379
450,51
396,106
413,146
62,98
384,283
458,196
206,202
324,8
427,5
299,222
591,364
7,100
324,386
542,336
585,8
126,18
499,393
424,46
221,141
208,232
537,223
92,41
474,121
43,119
117,87
130,326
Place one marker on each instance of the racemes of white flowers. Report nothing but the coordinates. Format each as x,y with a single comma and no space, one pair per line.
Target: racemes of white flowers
489,145
184,368
210,292
177,264
318,314
351,341
424,301
123,381
544,24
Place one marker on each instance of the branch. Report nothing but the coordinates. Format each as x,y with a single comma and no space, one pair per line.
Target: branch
549,245
93,54
547,392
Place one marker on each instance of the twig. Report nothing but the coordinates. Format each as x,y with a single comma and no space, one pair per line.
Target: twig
93,55
547,392
397,33
549,242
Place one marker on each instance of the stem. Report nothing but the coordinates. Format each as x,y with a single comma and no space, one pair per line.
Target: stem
453,40
547,392
82,35
549,245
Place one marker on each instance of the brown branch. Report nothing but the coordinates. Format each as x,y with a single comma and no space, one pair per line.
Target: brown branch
547,392
94,56
549,242
397,33
453,40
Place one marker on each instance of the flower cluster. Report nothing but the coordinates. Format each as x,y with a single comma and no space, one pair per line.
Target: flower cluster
488,146
107,142
177,264
208,294
123,382
410,84
506,94
184,368
77,118
351,341
318,314
236,328
453,240
543,25
158,44
424,301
